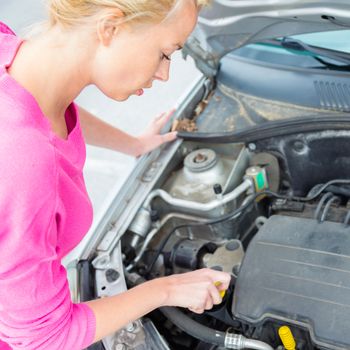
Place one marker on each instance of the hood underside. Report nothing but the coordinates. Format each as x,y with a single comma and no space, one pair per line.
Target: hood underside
229,24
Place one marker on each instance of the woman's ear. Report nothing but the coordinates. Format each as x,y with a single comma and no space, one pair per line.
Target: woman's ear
108,25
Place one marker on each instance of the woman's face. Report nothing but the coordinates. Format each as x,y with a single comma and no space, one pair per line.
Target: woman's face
129,59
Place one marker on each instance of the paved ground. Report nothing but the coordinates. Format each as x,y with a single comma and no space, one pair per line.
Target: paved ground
105,171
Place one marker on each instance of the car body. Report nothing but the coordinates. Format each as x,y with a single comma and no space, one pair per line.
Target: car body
256,185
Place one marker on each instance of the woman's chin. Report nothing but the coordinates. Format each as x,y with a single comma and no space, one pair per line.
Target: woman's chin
123,97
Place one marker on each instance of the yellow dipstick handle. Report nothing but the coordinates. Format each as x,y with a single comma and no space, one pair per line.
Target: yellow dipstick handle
287,338
222,292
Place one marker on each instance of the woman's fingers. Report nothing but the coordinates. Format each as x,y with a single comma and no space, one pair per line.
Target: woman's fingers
215,295
167,115
161,120
170,136
152,138
212,297
196,290
196,310
209,303
220,279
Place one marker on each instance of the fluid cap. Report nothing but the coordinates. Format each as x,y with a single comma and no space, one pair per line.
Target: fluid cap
222,292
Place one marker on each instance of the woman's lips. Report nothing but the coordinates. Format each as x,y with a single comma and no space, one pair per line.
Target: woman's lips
139,92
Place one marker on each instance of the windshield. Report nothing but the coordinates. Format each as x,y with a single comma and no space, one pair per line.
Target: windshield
323,50
338,40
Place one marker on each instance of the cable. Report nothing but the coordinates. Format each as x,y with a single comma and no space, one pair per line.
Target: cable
237,212
342,191
196,224
322,188
226,217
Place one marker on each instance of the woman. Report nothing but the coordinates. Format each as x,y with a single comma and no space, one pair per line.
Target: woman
121,47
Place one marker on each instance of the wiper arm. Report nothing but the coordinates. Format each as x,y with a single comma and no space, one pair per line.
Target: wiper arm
298,45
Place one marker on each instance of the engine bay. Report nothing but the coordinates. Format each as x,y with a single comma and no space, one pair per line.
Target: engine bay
281,232
259,190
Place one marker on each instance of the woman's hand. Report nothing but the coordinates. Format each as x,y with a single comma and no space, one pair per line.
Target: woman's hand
197,290
194,290
151,138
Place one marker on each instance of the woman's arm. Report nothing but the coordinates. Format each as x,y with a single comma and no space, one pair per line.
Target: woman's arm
101,134
195,290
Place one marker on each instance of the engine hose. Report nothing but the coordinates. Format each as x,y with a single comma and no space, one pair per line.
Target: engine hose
209,335
197,330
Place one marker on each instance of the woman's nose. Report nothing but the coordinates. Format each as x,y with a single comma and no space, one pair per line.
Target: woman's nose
163,71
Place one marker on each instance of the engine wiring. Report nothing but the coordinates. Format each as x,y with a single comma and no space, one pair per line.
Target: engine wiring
320,188
236,213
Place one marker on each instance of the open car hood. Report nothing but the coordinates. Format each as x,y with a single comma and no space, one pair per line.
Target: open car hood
229,24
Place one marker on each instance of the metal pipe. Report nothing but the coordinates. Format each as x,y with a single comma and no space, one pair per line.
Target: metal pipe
256,344
153,232
203,207
239,342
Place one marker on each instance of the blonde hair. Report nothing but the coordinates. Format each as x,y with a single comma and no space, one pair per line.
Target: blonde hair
73,12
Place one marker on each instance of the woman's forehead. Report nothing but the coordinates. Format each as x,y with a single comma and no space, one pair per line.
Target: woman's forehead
183,20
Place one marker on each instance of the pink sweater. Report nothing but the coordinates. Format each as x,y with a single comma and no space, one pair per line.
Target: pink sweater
44,213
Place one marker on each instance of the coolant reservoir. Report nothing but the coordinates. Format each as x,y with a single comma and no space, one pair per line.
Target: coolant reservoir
202,169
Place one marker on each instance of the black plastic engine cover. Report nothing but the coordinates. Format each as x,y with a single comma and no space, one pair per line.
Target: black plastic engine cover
298,271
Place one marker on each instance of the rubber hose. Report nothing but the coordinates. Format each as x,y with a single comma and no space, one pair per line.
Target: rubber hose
197,330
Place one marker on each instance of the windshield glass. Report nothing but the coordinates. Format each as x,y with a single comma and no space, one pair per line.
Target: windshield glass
307,51
338,40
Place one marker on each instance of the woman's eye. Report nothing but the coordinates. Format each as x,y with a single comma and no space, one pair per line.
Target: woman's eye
166,57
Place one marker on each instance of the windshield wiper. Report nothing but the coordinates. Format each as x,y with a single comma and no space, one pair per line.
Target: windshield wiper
317,52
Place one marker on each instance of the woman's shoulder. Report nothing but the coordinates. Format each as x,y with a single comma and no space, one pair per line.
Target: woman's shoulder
26,156
22,125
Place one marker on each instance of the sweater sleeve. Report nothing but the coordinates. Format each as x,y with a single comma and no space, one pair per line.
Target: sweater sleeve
36,311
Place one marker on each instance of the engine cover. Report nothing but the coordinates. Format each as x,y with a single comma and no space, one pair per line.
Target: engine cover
297,271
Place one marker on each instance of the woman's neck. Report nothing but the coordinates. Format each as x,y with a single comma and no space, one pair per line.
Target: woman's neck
54,68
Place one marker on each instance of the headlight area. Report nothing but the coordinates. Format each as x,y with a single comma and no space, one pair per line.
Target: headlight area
233,208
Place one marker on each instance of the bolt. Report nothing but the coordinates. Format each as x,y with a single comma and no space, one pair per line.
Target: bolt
112,275
130,327
104,261
200,158
298,146
252,146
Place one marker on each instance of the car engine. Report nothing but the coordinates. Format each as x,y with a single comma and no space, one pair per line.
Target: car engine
282,234
296,271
